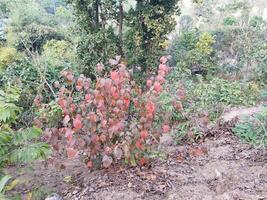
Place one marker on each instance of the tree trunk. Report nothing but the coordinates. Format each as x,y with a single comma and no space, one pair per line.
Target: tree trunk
121,16
143,33
97,2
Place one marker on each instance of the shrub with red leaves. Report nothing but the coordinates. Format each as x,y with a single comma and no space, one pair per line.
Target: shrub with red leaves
113,118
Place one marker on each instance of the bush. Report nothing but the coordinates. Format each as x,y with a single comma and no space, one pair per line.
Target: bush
58,53
253,129
229,21
194,51
8,108
7,56
21,146
214,95
114,118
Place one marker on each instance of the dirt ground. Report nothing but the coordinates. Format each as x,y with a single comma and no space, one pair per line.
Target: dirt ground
219,168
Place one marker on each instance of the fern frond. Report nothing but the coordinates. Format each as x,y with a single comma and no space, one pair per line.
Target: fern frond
29,153
8,111
26,135
5,143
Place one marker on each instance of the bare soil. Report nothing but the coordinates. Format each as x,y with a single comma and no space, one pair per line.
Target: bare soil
218,168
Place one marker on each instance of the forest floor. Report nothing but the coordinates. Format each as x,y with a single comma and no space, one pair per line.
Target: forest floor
218,168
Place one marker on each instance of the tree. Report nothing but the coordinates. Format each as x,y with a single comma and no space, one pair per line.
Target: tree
149,23
107,29
98,40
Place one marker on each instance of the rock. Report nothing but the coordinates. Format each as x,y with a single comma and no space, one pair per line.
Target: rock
54,196
74,192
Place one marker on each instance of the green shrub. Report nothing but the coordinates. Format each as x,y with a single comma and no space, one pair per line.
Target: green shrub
8,108
7,56
191,49
257,22
229,21
253,129
217,93
58,53
21,146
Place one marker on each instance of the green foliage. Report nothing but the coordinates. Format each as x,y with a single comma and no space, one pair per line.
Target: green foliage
257,22
204,44
3,181
97,38
142,34
21,146
230,93
30,26
50,114
191,49
214,95
8,108
58,53
7,56
240,51
186,23
41,193
149,24
253,129
229,21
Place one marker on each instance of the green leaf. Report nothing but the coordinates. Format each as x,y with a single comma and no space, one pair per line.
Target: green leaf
3,182
30,153
26,135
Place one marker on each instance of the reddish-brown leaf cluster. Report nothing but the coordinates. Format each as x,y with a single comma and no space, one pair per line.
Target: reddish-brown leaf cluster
112,118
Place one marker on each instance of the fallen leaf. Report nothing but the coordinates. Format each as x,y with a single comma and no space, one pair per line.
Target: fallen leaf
67,179
12,185
195,152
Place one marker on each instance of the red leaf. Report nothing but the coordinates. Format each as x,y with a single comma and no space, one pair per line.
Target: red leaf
103,138
126,101
92,117
157,87
115,76
88,98
95,139
77,122
66,120
142,161
149,83
79,87
73,107
87,83
150,107
163,59
166,128
195,152
139,145
62,103
144,134
69,134
71,153
89,164
178,105
160,79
